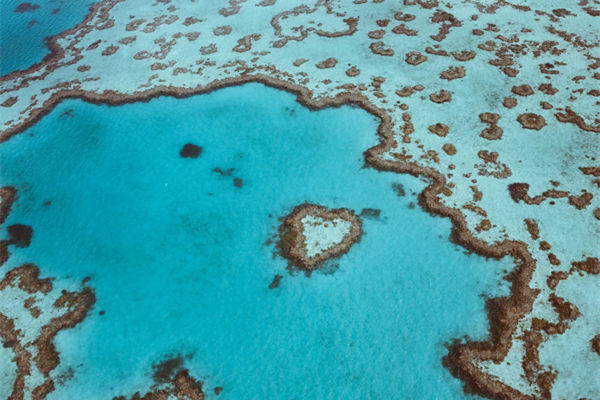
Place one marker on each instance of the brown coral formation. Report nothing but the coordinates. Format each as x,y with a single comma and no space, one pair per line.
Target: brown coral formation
7,198
504,313
570,116
453,73
210,49
415,58
182,387
191,21
439,129
380,49
592,171
9,102
291,242
376,34
582,201
449,149
327,63
493,131
519,191
299,62
595,342
533,228
531,121
442,96
403,30
534,373
465,55
190,150
245,43
406,91
74,306
548,89
509,102
352,71
110,50
491,165
522,90
489,118
222,30
20,235
447,21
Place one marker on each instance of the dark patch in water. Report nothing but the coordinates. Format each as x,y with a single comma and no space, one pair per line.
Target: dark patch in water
518,191
399,189
66,114
238,182
190,150
276,281
20,235
67,375
329,268
226,172
372,213
165,370
26,7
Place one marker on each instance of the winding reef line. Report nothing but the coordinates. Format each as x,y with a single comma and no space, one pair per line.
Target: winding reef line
76,306
504,313
57,52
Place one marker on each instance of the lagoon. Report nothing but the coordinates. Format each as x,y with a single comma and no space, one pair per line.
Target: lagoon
179,258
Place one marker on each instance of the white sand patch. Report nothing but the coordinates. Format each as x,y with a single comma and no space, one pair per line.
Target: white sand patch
322,234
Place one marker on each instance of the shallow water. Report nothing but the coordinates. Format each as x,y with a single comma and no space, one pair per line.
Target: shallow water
177,255
22,35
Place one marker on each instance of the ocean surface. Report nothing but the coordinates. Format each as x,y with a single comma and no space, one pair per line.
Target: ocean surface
178,258
23,34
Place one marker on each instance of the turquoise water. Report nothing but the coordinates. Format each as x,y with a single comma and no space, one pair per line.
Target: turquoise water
177,253
22,35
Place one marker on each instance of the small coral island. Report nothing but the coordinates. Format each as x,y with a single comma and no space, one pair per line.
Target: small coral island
312,234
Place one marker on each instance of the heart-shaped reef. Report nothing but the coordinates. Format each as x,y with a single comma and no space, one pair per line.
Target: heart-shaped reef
312,234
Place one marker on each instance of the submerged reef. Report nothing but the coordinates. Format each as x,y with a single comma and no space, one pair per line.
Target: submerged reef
32,313
33,310
190,150
181,387
486,100
312,234
171,380
26,7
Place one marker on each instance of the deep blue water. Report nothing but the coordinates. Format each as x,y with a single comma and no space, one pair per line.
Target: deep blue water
22,35
178,260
